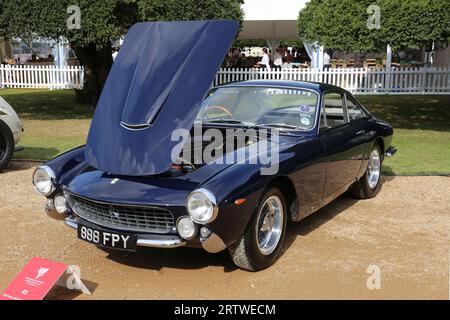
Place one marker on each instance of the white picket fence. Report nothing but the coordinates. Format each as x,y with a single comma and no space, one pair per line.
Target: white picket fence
41,77
355,80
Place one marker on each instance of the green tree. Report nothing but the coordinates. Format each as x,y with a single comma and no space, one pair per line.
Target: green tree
415,23
102,21
342,25
166,10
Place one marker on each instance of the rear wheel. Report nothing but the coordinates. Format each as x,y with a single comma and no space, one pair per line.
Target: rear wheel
6,145
369,185
260,245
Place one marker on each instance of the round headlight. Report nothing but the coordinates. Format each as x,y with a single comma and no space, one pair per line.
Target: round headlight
186,228
60,204
43,179
202,206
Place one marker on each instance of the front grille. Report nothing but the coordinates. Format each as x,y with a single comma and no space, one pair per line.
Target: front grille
122,217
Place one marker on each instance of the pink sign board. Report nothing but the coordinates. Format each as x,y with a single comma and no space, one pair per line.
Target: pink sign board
35,280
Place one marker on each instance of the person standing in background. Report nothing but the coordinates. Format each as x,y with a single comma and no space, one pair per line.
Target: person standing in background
278,59
115,53
326,66
326,60
265,61
289,57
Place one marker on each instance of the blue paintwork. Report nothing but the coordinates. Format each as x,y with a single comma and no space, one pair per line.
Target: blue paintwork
318,167
156,85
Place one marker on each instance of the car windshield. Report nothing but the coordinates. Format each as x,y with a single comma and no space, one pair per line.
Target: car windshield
288,109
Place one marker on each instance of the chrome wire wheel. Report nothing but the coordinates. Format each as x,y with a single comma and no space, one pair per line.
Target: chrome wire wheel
269,225
374,169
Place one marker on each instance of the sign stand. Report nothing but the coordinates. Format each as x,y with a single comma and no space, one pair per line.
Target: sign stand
39,276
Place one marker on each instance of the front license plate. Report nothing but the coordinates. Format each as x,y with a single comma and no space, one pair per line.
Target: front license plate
107,239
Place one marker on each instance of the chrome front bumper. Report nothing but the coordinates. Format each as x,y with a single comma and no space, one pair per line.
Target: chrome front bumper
159,241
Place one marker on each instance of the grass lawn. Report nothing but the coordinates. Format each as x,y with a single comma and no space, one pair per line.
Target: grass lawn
421,131
54,123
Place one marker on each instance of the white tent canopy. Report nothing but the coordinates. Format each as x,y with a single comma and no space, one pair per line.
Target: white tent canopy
275,20
271,19
269,29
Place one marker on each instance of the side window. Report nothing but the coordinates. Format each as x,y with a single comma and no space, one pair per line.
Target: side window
354,110
332,114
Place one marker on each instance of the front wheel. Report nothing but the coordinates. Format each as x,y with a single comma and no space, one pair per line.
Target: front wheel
259,247
369,185
6,145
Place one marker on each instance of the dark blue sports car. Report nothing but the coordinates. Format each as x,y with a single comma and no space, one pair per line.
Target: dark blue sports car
170,162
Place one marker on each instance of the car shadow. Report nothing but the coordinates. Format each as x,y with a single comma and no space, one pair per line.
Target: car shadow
387,170
179,258
319,218
193,258
61,293
20,165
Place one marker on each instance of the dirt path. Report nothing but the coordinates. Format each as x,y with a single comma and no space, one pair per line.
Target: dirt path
404,231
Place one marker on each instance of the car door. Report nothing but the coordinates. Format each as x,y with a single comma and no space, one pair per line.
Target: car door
358,124
344,146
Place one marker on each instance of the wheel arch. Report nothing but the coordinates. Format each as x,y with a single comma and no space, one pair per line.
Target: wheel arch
287,188
7,126
380,142
8,137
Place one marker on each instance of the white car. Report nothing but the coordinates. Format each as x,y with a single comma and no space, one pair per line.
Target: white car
10,132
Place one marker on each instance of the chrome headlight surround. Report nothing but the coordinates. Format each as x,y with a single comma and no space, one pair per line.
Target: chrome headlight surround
60,204
201,205
186,228
47,185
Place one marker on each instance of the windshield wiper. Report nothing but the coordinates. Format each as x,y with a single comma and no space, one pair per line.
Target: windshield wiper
277,125
225,120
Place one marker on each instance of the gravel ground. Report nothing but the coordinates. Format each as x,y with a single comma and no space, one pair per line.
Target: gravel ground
404,231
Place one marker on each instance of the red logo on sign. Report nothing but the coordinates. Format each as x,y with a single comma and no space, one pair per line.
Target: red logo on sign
35,280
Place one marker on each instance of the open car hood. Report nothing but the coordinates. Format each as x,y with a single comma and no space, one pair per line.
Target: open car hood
156,85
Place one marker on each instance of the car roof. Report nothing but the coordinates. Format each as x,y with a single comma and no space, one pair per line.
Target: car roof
315,86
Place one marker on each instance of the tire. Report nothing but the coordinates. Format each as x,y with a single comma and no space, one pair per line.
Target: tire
249,252
368,186
6,145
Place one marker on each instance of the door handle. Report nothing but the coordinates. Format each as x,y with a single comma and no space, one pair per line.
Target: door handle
360,132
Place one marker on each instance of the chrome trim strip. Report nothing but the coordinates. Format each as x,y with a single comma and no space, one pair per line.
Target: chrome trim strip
161,243
137,127
71,222
164,242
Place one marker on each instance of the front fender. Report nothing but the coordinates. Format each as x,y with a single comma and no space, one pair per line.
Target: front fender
240,181
10,117
67,166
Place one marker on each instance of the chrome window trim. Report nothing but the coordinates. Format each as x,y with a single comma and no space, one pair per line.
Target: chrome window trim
322,109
